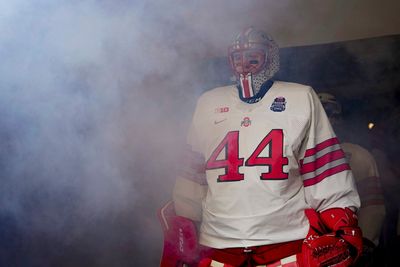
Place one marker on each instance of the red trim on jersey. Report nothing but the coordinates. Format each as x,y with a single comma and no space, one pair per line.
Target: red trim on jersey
321,161
327,173
321,146
246,87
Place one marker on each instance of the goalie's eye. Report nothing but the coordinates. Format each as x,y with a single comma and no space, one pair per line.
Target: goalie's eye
248,61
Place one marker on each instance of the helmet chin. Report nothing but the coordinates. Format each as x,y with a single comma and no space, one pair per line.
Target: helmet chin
246,86
250,84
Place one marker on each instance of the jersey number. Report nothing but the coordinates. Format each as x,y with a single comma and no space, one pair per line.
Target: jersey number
231,161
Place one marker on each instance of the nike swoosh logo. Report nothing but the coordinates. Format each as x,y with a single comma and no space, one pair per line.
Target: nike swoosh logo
216,122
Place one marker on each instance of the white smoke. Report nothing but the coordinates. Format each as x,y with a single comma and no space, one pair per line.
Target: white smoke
95,97
95,100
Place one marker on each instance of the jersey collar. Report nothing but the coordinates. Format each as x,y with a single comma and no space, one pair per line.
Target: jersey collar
257,97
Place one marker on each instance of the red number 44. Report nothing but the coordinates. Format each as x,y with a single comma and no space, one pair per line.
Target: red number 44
231,161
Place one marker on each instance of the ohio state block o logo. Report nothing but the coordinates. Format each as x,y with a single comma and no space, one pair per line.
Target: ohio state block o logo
246,122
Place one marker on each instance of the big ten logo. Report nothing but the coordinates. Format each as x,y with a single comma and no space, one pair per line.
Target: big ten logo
222,110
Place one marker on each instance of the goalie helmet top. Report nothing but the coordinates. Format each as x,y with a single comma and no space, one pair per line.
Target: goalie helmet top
254,59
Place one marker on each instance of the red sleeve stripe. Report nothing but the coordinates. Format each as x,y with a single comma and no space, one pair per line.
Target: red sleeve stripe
320,153
321,146
197,178
327,173
324,160
324,168
321,161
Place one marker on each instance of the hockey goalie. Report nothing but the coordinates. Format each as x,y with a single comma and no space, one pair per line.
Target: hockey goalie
265,181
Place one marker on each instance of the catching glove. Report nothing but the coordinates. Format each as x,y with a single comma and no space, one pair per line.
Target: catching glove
334,238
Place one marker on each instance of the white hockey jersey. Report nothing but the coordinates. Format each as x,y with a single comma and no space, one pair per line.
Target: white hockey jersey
253,169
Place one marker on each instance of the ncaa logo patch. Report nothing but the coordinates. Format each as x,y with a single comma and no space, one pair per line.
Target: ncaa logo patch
279,104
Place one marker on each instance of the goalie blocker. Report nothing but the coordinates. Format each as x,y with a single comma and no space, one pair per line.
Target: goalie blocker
181,248
334,239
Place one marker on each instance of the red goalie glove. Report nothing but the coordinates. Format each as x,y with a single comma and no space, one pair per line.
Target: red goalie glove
344,223
326,250
334,238
180,239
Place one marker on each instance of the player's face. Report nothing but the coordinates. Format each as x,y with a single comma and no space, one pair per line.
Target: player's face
248,61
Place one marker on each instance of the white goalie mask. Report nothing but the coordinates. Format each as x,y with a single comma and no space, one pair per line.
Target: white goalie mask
254,58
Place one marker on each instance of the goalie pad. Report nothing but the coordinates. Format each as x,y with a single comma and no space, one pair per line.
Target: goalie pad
180,239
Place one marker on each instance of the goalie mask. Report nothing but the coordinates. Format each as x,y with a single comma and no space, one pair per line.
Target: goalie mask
254,59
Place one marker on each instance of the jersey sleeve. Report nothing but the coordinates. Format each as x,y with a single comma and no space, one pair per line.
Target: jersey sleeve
327,178
191,184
